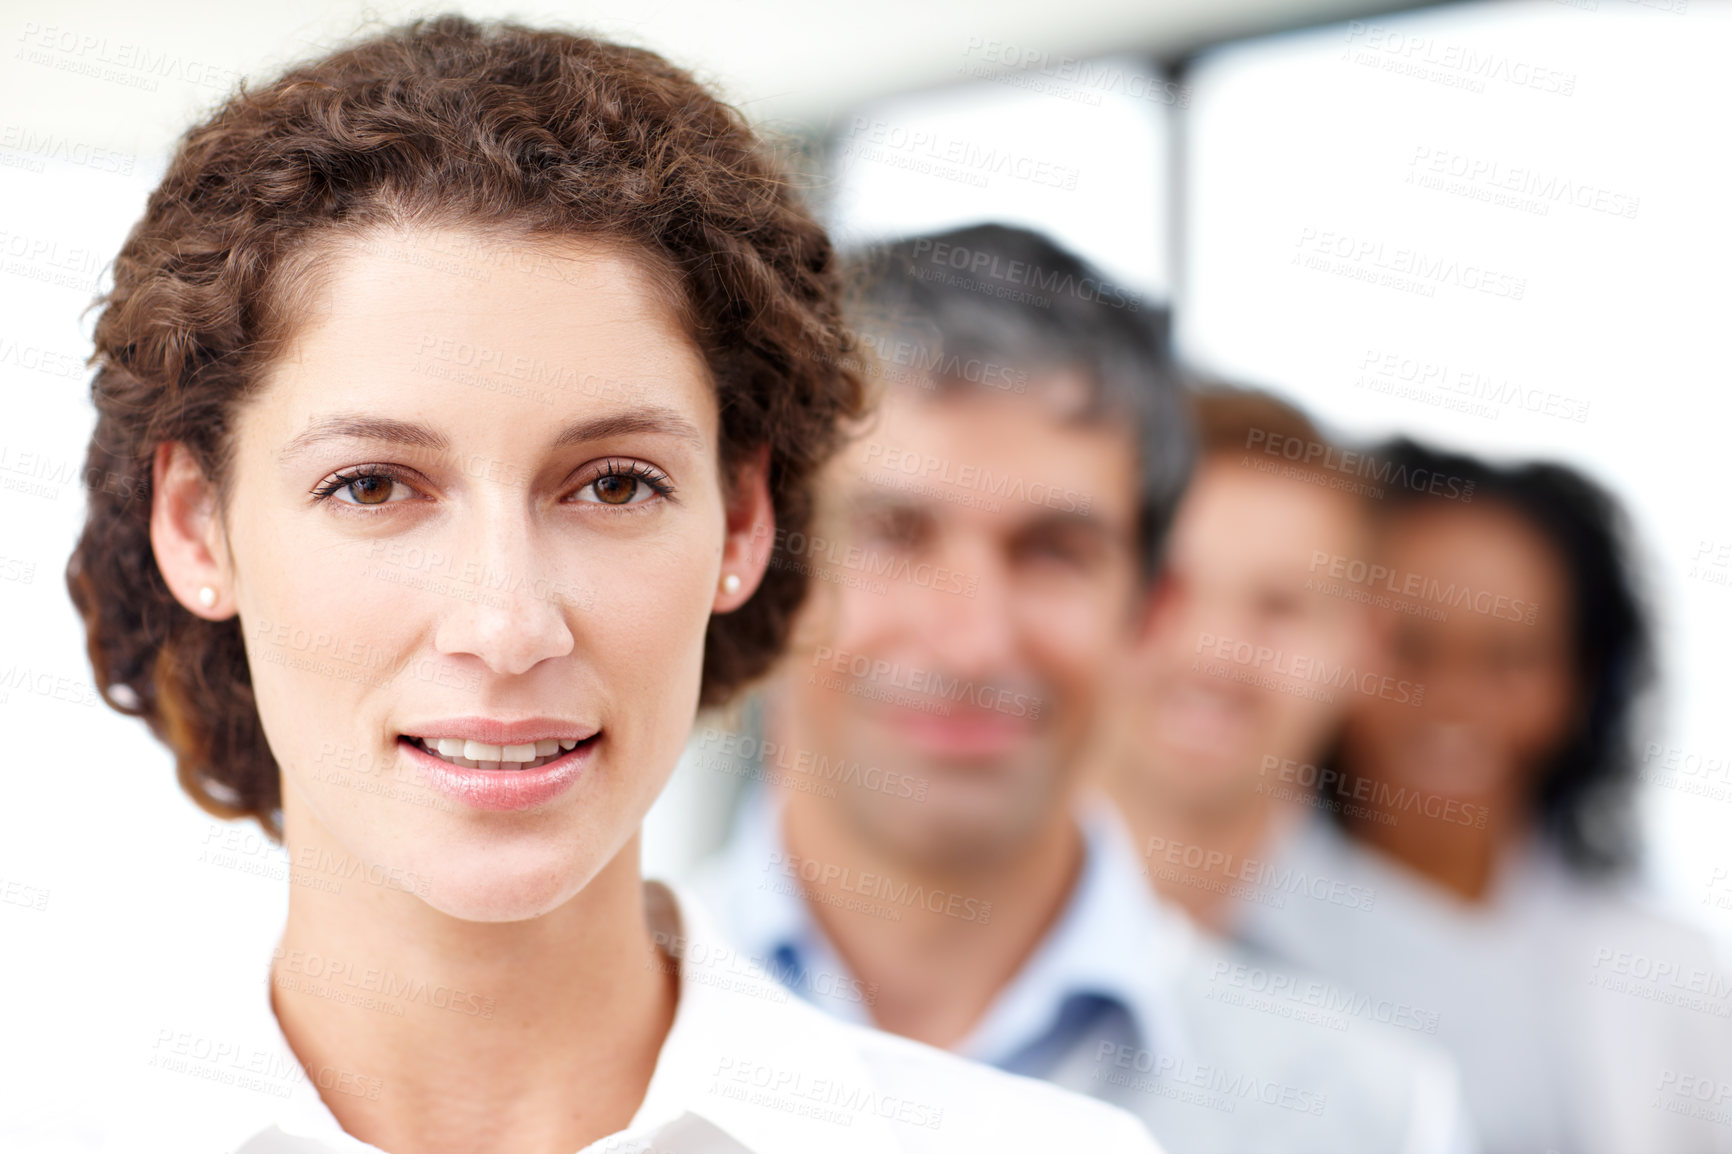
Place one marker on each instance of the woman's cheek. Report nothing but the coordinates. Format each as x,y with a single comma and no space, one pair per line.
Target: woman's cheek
649,619
1537,716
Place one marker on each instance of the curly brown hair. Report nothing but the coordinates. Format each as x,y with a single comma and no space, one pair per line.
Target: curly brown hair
495,127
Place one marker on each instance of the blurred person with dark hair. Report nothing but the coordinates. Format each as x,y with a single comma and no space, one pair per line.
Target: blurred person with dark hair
1493,818
926,858
1205,759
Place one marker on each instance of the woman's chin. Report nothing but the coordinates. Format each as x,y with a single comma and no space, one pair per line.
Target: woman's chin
498,899
483,888
1475,779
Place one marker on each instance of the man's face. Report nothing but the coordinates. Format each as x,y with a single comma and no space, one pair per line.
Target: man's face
1249,564
977,571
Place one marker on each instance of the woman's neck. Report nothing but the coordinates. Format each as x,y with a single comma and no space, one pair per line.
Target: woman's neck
1463,857
428,1033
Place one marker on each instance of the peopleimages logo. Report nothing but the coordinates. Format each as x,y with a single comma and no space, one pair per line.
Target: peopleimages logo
759,754
1299,667
387,983
1224,1081
894,459
1264,875
1371,575
798,1091
1387,798
926,360
1459,65
980,264
1278,988
791,549
879,887
1399,266
1663,980
1435,382
951,157
1349,462
1543,189
1080,73
926,683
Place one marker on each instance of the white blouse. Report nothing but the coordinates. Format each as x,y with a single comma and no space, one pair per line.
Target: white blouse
747,1068
1582,1021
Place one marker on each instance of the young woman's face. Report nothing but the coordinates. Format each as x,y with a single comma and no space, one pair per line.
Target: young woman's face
1500,685
477,515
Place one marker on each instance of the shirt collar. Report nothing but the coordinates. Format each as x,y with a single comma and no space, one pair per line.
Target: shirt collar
745,1067
745,1057
1114,940
758,905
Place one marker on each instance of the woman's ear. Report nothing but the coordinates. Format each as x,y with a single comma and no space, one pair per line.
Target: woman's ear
186,534
751,532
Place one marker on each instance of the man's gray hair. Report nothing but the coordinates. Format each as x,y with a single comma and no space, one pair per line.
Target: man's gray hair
992,306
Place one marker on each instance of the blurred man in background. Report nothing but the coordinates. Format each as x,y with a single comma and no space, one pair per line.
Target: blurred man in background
926,862
1216,725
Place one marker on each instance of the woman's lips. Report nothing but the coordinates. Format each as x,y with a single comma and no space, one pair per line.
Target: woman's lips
484,786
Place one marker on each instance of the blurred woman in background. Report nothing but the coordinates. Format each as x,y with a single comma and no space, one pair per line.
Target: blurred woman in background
1491,814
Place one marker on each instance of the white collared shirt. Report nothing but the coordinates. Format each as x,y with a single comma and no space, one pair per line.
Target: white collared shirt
1582,1021
747,1068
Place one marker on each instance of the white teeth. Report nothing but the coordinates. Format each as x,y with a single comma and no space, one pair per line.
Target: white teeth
496,758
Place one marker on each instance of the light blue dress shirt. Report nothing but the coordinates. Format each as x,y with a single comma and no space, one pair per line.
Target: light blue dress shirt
1127,1001
1097,975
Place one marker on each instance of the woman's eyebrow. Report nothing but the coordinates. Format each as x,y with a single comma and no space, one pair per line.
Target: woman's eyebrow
648,419
355,426
352,426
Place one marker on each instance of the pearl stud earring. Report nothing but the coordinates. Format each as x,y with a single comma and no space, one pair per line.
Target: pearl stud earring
731,583
206,596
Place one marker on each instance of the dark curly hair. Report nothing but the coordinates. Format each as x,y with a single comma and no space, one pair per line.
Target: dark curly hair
502,129
1582,791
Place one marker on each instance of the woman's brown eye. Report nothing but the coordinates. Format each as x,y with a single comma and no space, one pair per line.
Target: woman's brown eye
371,490
616,489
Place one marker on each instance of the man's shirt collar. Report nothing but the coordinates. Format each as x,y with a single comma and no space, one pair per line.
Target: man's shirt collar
1114,942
